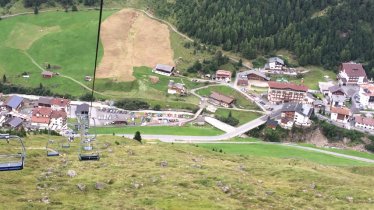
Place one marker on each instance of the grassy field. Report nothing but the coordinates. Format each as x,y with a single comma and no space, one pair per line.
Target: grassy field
279,151
63,39
194,178
188,130
242,116
241,101
311,79
343,151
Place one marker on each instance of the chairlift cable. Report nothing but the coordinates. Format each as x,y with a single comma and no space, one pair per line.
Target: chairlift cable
97,52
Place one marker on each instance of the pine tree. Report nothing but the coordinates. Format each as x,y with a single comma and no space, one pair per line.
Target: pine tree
36,10
137,136
4,79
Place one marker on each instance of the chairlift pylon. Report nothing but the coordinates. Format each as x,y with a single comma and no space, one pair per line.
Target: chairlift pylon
12,161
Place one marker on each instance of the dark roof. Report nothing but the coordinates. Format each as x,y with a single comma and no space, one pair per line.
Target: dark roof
353,69
44,100
15,122
271,123
14,101
287,85
82,108
163,67
260,74
303,109
221,98
242,82
335,88
276,59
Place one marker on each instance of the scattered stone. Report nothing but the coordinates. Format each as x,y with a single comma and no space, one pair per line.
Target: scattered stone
137,185
305,191
241,167
154,179
45,199
319,195
81,187
110,150
196,166
269,192
260,181
130,152
225,189
164,164
313,186
349,199
111,181
219,184
99,186
72,173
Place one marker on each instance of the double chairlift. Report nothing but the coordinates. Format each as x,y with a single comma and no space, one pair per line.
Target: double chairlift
88,149
13,158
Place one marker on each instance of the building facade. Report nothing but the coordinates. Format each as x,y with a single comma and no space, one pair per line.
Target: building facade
352,74
282,92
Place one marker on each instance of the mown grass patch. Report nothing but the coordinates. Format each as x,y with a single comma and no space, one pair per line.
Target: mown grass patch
241,100
242,116
188,130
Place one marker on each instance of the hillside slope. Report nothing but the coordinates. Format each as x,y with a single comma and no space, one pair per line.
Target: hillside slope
323,32
174,176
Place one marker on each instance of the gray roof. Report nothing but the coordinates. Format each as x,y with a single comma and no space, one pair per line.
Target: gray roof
163,67
14,101
275,59
304,109
336,88
83,108
15,122
44,100
338,98
318,102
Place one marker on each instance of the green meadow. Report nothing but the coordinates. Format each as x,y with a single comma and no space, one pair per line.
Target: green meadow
131,176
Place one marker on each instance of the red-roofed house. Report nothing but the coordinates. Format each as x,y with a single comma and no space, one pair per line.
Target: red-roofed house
283,92
352,74
45,118
223,76
59,104
364,122
340,114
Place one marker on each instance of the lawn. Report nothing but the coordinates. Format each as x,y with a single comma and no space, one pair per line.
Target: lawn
67,40
344,151
241,100
188,130
192,177
311,79
242,116
284,152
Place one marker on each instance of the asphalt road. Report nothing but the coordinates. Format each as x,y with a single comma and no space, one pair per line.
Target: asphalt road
237,132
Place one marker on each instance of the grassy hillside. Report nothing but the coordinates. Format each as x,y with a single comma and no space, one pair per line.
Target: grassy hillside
194,178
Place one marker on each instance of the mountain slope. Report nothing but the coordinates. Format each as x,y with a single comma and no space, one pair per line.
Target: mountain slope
176,176
324,32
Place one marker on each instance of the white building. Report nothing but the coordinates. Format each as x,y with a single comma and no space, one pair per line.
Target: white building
352,74
364,123
165,70
340,114
223,76
295,113
274,63
366,94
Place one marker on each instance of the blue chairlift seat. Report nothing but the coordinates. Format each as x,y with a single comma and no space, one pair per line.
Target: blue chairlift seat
52,153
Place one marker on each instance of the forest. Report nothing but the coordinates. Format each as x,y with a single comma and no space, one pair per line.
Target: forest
323,32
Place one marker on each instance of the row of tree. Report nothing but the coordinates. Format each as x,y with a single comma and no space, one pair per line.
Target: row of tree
324,32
